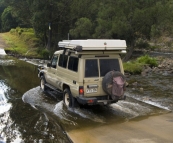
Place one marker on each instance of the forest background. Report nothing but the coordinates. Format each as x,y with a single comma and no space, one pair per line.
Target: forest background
136,21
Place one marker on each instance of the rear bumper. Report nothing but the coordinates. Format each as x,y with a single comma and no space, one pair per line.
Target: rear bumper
95,100
89,101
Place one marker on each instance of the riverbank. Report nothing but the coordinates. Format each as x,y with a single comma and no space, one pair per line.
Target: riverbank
25,45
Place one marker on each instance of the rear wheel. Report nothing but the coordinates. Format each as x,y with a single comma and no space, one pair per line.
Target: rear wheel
69,100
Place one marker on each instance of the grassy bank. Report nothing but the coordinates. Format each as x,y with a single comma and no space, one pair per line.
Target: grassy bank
23,43
136,66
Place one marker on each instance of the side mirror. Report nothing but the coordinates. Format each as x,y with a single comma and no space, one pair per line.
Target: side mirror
48,64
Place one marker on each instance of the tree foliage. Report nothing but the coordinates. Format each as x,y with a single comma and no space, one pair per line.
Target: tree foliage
52,20
7,20
83,28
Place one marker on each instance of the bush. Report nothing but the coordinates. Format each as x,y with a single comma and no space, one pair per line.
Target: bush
142,44
12,31
44,53
147,60
153,48
17,29
136,67
133,67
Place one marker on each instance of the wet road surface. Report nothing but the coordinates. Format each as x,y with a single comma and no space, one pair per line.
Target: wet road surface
30,115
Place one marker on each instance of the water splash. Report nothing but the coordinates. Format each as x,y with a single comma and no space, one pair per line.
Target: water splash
84,113
7,62
62,114
2,52
4,106
150,101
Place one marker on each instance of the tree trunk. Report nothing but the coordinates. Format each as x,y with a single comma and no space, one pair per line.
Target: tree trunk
129,53
45,39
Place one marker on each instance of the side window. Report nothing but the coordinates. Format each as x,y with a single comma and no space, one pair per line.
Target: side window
91,68
63,61
73,64
54,61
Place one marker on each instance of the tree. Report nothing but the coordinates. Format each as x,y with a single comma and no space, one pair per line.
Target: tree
131,20
8,21
83,28
21,11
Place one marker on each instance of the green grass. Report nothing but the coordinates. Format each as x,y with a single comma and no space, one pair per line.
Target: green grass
22,42
136,66
133,67
15,44
152,62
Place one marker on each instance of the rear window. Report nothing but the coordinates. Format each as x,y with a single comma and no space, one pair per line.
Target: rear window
107,65
91,68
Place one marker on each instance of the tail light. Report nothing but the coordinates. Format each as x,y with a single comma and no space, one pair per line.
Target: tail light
81,91
90,101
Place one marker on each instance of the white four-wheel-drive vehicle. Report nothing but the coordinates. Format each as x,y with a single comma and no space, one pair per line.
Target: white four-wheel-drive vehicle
86,71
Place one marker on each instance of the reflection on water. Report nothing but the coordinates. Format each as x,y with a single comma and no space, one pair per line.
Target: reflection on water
19,122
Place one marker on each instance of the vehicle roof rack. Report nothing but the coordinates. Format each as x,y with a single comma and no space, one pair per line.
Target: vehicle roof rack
94,45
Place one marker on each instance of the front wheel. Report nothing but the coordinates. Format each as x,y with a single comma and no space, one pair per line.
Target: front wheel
69,100
42,83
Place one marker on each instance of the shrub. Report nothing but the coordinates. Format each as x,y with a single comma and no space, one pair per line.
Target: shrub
147,60
133,67
17,29
44,53
136,67
153,48
12,30
142,44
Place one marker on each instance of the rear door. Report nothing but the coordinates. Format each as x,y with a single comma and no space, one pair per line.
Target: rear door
91,78
107,65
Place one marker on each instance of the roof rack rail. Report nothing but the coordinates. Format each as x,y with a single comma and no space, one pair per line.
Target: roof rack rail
94,45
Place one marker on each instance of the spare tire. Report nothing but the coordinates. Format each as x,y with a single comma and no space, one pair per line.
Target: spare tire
114,84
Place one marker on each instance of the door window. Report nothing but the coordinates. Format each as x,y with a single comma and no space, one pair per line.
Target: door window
54,61
107,65
91,68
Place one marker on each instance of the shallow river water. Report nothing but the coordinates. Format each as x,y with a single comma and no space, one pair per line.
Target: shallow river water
29,115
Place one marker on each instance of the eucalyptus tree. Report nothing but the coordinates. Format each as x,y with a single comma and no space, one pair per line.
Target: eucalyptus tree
21,11
7,20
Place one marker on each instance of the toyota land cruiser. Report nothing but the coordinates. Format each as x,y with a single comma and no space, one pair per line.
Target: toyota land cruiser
86,71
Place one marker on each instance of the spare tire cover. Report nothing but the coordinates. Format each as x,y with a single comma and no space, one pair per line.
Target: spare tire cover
114,84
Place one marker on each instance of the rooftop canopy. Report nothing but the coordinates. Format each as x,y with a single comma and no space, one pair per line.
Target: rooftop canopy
94,45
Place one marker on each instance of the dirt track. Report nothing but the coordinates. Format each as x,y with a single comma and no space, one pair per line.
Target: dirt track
2,42
155,129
